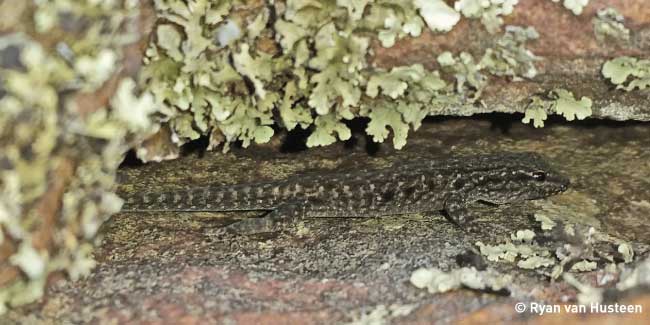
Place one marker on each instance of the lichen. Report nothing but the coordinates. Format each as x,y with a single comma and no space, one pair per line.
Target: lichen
511,251
536,111
556,250
608,25
489,11
568,106
396,107
310,67
381,315
525,235
627,73
510,57
575,6
58,157
559,101
546,223
470,80
231,71
437,281
437,14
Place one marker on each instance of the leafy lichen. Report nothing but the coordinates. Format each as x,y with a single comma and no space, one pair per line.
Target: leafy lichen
569,107
57,158
510,57
437,14
489,11
310,67
325,127
470,80
559,101
575,6
213,69
627,73
437,281
608,25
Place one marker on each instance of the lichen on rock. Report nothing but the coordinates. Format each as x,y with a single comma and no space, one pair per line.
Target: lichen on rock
608,25
59,150
309,65
628,73
558,101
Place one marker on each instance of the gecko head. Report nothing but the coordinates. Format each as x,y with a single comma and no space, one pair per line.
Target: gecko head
531,177
522,176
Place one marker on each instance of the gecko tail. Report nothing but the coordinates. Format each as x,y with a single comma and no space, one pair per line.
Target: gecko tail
221,198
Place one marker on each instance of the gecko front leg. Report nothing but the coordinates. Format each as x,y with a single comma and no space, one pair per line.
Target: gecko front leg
272,221
455,208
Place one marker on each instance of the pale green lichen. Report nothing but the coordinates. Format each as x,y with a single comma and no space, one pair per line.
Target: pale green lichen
525,235
340,58
510,57
29,260
48,139
568,106
575,6
489,11
381,315
559,101
95,70
608,25
437,14
509,251
325,127
470,81
327,80
584,266
437,281
400,110
626,251
313,70
628,73
380,118
393,20
527,252
536,262
536,112
546,223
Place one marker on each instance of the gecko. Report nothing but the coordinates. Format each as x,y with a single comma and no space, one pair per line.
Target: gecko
448,185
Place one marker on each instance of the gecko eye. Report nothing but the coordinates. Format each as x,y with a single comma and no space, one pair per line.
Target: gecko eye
539,176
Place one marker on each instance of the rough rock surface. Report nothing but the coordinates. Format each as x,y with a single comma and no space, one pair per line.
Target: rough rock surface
156,267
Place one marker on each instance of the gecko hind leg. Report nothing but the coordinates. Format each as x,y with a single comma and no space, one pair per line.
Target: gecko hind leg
455,210
272,221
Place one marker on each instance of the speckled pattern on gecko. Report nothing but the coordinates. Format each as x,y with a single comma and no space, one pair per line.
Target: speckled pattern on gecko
449,185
